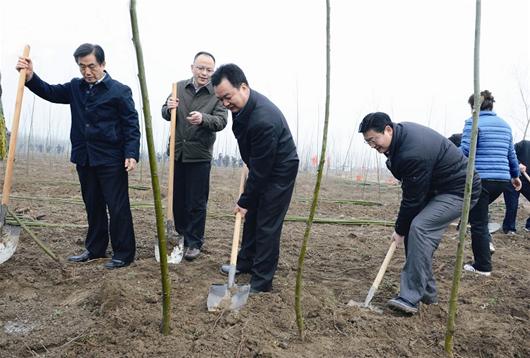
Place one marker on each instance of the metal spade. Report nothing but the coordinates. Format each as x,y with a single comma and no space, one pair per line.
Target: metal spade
230,296
377,281
9,234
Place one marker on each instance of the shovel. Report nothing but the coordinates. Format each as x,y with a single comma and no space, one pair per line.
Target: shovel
231,296
171,234
9,233
377,281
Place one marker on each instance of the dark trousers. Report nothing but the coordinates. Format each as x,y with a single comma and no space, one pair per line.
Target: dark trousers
478,218
191,187
511,200
260,247
106,187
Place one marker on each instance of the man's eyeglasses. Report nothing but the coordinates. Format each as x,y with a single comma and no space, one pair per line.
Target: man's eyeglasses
371,141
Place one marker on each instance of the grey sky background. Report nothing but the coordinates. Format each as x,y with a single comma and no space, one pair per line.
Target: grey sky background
412,59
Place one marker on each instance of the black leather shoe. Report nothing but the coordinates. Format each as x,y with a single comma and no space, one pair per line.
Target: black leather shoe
115,263
254,291
85,256
225,269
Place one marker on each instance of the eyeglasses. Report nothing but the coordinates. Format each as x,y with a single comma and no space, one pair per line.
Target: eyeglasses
203,68
371,141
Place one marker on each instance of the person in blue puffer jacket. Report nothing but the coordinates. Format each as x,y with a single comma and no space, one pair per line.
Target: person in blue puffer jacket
497,166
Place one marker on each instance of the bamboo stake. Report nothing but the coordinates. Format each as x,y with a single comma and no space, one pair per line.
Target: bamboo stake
41,244
346,201
43,224
219,216
166,301
467,193
298,287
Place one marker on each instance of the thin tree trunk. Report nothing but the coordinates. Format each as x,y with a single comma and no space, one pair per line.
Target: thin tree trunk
298,288
166,302
467,192
527,115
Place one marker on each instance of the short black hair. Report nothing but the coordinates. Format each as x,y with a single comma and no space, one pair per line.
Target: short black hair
487,101
87,49
232,73
376,121
200,53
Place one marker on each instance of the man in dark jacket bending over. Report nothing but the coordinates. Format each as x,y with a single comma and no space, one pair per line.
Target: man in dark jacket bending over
267,148
432,172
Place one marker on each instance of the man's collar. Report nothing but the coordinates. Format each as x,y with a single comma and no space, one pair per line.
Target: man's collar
105,80
191,82
102,78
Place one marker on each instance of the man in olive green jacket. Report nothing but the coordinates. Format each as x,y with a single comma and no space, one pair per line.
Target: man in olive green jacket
199,116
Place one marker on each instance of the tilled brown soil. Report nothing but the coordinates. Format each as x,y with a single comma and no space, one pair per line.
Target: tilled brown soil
84,310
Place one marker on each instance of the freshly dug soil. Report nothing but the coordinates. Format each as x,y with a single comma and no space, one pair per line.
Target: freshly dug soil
84,310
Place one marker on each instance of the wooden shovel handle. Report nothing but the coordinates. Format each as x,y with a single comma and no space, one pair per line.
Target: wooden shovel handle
237,225
526,176
384,265
14,132
171,175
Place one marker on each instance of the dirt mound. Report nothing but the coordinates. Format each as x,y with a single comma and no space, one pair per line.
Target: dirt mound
88,311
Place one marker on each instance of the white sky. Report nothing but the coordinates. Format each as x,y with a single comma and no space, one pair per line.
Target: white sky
412,59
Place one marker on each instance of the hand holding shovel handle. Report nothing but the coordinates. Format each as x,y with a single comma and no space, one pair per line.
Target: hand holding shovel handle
14,132
8,233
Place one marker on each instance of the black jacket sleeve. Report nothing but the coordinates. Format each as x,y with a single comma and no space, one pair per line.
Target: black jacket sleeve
54,93
415,184
263,143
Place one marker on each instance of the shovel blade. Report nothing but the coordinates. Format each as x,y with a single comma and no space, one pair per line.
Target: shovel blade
362,305
494,227
8,242
221,297
176,255
173,238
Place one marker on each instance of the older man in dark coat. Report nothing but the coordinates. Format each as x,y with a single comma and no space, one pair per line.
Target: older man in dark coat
105,138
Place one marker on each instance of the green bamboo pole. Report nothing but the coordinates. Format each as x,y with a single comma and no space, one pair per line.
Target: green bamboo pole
298,287
41,244
166,302
44,224
221,216
76,183
467,193
345,201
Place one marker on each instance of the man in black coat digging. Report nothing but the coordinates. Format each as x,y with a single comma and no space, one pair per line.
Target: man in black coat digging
267,148
432,172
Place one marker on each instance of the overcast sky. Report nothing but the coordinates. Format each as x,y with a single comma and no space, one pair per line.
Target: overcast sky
412,59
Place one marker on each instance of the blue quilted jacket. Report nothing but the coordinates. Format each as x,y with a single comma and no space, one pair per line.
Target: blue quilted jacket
495,158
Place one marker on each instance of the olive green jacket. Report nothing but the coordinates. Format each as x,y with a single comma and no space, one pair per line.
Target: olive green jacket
194,143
